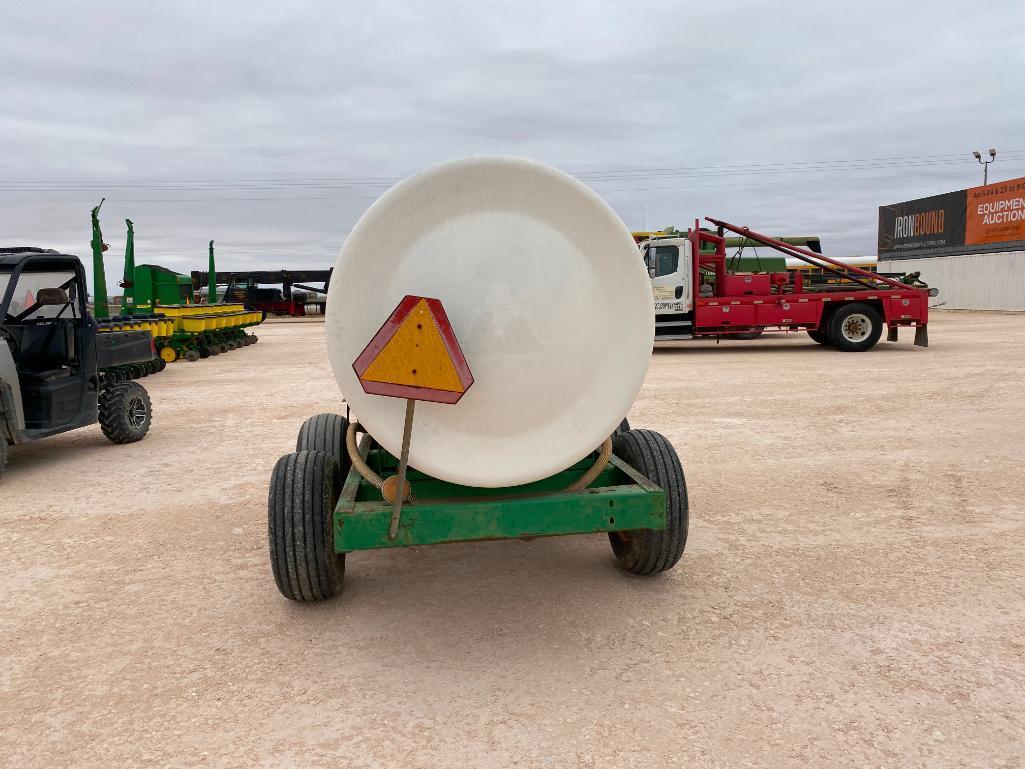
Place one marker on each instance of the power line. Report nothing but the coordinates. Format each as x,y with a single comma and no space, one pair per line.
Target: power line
341,182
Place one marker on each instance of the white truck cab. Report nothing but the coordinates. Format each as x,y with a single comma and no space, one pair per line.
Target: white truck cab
670,267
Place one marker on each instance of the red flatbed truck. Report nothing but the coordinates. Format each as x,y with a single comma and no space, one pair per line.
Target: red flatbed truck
696,295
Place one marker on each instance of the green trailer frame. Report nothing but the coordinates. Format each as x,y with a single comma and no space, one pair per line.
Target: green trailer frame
620,499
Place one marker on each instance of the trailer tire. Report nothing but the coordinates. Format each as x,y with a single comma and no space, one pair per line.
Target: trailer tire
304,490
648,551
855,327
622,427
125,412
326,432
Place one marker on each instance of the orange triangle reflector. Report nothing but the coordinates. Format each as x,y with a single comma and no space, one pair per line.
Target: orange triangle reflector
415,355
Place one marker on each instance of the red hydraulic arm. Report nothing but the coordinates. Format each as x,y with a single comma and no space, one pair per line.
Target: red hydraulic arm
816,260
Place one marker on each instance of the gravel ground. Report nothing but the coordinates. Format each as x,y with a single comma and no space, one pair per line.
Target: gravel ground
851,594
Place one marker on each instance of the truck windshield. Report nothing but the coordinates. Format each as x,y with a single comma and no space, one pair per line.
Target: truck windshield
664,260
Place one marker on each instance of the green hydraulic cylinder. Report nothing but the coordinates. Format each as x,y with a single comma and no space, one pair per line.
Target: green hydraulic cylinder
128,306
211,285
101,308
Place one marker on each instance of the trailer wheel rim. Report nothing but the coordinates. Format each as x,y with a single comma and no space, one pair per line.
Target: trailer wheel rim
136,412
856,327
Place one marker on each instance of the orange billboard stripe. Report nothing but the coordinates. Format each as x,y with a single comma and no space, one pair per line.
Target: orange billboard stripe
996,213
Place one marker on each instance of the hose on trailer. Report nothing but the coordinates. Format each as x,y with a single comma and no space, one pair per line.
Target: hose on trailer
375,480
585,480
361,466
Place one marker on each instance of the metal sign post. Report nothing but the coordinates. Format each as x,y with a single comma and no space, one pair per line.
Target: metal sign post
414,355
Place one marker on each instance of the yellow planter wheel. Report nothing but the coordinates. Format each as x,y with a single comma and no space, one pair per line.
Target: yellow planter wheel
168,354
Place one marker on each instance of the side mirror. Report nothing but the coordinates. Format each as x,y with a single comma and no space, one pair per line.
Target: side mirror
52,296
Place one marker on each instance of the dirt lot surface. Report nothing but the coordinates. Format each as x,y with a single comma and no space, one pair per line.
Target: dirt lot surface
851,595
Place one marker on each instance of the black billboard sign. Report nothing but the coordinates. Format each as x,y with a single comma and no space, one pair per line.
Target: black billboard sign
936,222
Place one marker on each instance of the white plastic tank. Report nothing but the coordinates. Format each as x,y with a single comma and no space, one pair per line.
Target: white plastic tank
550,304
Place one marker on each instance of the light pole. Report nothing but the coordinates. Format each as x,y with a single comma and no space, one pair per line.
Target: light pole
985,164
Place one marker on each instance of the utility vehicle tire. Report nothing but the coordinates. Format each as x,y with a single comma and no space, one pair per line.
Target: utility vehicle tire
855,327
623,427
819,335
326,432
304,489
125,412
649,551
192,356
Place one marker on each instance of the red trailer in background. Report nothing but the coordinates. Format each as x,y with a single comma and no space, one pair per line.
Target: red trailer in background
696,295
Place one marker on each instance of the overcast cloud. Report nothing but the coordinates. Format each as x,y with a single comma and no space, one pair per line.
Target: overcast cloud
270,127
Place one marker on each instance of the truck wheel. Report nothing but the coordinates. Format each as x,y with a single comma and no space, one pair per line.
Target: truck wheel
818,335
125,412
326,432
304,489
649,551
855,327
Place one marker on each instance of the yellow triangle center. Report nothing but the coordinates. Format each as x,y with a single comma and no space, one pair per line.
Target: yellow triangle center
416,355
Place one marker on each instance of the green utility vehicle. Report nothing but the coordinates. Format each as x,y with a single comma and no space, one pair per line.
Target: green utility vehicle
57,371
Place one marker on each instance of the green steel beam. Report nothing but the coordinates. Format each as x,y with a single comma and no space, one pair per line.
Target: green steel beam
211,286
620,499
128,305
101,307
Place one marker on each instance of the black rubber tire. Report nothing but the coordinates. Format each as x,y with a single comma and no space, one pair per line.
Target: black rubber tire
204,352
161,364
841,314
304,489
623,427
819,335
222,348
192,356
3,453
649,551
116,421
326,432
255,339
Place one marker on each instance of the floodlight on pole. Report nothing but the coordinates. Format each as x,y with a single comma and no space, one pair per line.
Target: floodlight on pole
985,163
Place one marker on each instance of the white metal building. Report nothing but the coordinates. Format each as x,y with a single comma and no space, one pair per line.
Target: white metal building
976,281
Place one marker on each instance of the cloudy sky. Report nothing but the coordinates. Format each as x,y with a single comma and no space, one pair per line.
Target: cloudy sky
270,127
